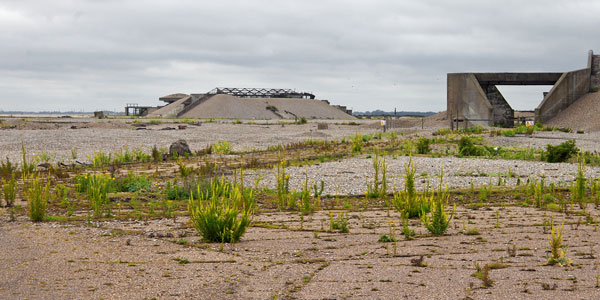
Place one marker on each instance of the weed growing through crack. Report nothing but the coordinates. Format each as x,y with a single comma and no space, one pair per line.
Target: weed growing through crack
305,199
283,186
439,220
408,202
378,188
578,190
406,231
558,251
317,192
497,220
10,191
483,274
340,223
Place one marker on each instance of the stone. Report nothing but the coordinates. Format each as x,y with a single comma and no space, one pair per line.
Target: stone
180,147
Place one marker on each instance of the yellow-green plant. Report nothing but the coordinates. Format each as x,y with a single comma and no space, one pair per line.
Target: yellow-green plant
439,220
378,188
10,191
97,190
578,191
37,199
406,231
184,171
283,186
222,147
357,143
340,223
222,213
558,251
305,200
408,202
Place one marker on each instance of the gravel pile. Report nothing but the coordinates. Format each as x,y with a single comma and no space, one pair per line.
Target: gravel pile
581,115
227,106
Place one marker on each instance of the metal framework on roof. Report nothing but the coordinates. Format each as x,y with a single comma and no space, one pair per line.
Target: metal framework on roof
261,93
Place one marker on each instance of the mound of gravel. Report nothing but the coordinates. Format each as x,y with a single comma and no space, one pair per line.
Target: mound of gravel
227,106
581,115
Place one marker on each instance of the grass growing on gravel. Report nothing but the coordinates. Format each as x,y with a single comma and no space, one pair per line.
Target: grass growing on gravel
439,220
223,212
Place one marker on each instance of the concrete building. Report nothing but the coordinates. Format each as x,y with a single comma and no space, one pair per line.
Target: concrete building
473,98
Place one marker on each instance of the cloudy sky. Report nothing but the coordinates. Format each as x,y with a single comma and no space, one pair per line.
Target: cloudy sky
375,54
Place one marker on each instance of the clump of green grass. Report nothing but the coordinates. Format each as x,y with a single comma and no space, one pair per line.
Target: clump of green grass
223,213
508,132
466,147
97,190
357,143
423,146
560,153
132,183
7,168
37,199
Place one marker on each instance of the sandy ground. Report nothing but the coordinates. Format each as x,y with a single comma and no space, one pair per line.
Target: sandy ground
54,261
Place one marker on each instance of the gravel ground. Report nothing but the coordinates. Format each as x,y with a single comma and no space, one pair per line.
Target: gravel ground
586,142
112,137
350,175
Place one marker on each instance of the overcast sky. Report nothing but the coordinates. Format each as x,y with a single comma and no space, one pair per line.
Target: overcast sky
90,55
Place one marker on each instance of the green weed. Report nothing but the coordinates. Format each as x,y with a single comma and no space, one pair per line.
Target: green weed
37,199
223,213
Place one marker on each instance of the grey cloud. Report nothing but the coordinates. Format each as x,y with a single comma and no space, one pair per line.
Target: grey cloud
364,54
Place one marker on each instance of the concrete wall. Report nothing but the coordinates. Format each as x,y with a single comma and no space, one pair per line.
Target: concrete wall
565,92
503,114
595,72
467,100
